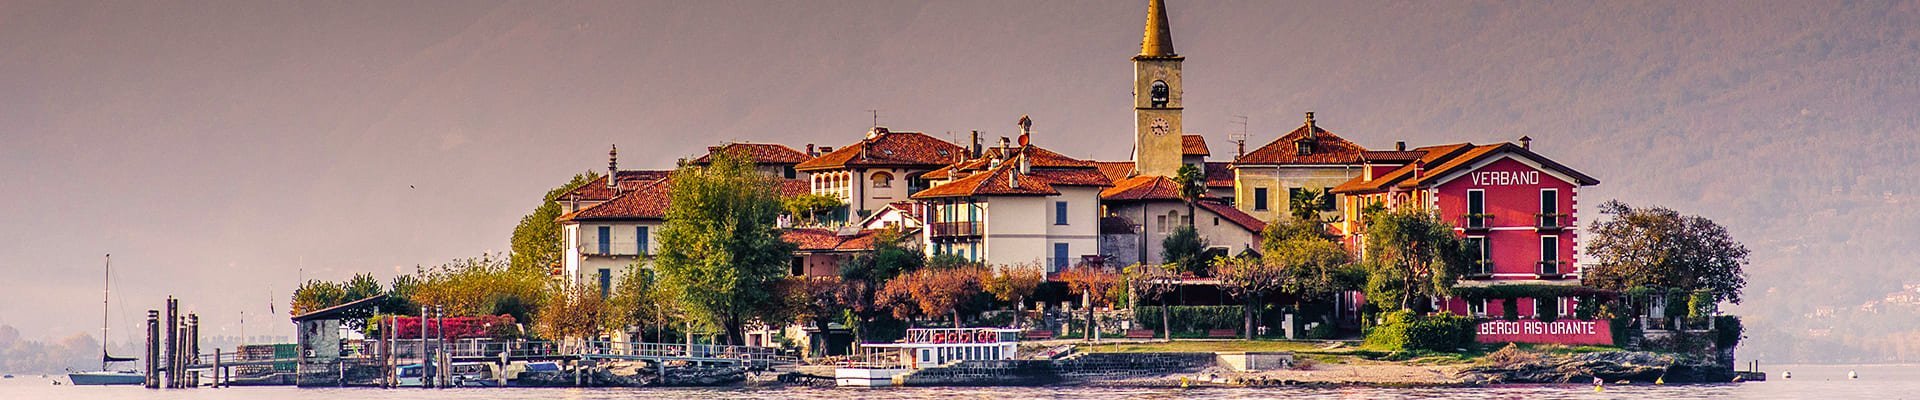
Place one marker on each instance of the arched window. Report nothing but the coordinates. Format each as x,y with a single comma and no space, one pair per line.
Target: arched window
882,180
1158,93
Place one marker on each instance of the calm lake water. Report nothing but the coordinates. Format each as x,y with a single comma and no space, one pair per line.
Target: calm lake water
1809,382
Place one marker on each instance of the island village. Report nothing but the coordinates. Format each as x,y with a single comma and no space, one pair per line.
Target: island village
893,257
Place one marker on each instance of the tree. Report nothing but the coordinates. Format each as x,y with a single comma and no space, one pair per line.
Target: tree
1186,249
1307,204
863,276
1193,186
573,311
720,248
811,300
1013,283
1312,267
1155,282
931,292
1093,285
639,300
1411,255
484,285
1659,247
807,207
537,244
1250,280
316,295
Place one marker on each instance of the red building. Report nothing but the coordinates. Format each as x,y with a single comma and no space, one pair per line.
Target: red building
1516,206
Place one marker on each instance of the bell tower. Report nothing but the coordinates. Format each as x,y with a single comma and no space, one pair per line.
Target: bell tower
1156,98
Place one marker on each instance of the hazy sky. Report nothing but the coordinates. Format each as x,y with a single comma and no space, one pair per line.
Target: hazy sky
217,149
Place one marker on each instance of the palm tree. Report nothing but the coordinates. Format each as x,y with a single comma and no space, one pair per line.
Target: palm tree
1307,204
1193,186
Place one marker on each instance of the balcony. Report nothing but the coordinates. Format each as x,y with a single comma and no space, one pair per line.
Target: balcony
611,250
1549,222
1551,270
1477,222
1479,270
954,229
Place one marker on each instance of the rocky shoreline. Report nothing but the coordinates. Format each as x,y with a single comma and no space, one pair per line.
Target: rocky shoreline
634,374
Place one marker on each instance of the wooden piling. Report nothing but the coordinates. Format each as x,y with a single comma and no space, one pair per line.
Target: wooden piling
153,349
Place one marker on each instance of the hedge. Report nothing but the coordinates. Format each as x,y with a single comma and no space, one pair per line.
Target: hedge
1401,330
1190,318
1727,331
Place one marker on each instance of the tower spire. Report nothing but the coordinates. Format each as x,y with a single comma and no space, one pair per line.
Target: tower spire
1158,40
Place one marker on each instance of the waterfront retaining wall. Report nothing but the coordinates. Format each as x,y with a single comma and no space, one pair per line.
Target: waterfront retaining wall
1092,366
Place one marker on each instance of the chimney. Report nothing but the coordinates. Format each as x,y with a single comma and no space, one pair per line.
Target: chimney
1025,166
613,168
1310,127
1239,148
826,149
975,152
810,150
1419,169
1526,142
1400,146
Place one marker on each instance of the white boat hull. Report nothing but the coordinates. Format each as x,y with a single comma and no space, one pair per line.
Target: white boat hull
107,378
868,377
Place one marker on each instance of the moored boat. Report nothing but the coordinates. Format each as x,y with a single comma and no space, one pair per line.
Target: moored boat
924,348
107,376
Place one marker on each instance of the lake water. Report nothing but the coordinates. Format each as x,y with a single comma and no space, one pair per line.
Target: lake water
1809,382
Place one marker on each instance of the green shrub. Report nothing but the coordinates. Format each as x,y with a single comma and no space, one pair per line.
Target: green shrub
1510,309
1727,331
1401,330
1676,303
1701,304
1190,318
1549,310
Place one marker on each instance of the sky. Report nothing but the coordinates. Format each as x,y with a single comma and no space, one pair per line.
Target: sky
223,151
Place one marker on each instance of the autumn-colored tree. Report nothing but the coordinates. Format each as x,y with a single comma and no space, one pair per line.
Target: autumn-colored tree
1095,286
572,312
934,291
1155,281
1013,283
1250,280
1659,247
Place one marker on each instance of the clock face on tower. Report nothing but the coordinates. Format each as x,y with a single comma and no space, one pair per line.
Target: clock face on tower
1159,126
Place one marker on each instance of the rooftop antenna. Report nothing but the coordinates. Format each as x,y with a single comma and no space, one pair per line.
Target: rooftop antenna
1238,134
876,117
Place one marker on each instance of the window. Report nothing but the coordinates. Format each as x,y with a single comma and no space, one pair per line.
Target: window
1259,199
1216,221
1550,208
799,266
1303,147
1060,256
1549,254
1161,222
1477,307
606,240
1476,208
1059,213
788,172
606,282
1481,256
1158,94
882,180
640,234
1544,307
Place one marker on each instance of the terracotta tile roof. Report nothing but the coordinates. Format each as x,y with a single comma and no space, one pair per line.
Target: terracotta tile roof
793,187
820,239
1072,176
1238,217
1391,156
1328,148
1142,188
811,239
1194,145
1039,158
644,202
886,148
997,181
1468,158
1115,170
1430,155
1219,174
597,190
760,153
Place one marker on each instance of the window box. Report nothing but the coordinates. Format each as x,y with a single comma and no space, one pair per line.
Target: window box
1477,222
1551,270
1550,222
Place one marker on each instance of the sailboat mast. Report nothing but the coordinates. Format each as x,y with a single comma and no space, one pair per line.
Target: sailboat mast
105,294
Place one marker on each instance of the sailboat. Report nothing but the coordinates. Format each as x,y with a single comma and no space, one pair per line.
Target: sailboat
107,376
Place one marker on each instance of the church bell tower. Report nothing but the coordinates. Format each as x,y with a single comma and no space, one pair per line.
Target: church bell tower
1156,98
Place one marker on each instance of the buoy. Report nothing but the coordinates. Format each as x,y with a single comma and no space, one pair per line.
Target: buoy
1787,374
1599,385
1662,380
1185,383
1852,375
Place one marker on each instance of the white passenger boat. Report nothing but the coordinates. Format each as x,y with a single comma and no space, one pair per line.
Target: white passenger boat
924,348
